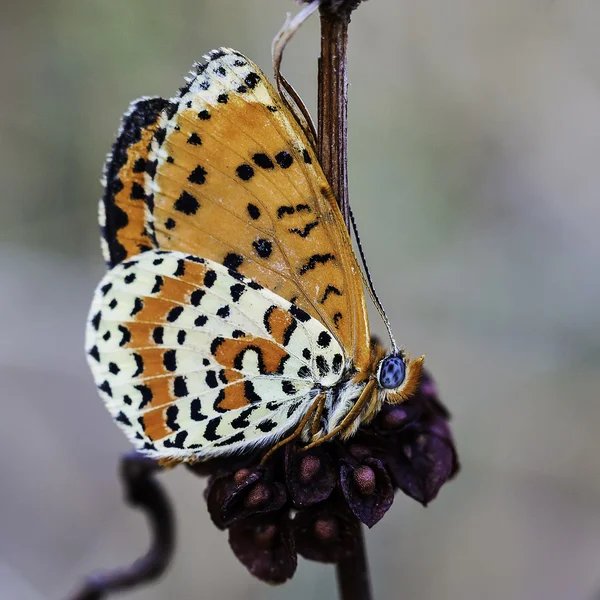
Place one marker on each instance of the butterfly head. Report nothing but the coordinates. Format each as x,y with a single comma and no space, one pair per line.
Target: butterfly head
398,376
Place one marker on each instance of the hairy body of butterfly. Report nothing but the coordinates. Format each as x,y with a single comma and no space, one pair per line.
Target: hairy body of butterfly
233,312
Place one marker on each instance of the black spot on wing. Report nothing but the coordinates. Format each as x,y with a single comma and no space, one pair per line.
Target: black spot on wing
178,441
96,320
174,313
198,175
238,437
196,297
233,260
210,433
180,271
251,80
209,278
139,365
137,306
211,379
284,159
171,414
146,393
245,172
180,386
263,161
122,418
285,210
113,368
187,204
250,394
170,360
288,388
137,191
324,339
330,289
322,366
299,314
337,363
266,426
253,211
158,283
105,387
314,260
196,410
236,291
306,230
125,335
262,247
241,421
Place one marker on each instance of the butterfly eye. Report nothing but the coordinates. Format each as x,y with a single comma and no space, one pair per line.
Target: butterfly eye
392,372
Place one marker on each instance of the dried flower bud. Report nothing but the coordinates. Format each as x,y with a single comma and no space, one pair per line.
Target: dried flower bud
310,476
326,532
265,546
368,489
424,460
248,491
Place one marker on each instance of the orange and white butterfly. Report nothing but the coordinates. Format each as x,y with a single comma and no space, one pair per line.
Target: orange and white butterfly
233,311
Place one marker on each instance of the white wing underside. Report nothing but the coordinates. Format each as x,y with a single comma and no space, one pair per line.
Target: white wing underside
133,353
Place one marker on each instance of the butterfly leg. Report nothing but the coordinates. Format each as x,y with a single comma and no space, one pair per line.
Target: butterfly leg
316,422
349,418
320,399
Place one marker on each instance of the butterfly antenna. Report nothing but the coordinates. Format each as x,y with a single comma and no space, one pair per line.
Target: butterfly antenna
369,284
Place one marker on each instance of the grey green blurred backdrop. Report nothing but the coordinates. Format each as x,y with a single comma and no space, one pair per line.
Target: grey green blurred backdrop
474,145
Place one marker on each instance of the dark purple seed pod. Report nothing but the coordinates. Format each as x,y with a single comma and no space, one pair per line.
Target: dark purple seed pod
326,532
393,418
264,544
367,488
310,476
245,492
423,461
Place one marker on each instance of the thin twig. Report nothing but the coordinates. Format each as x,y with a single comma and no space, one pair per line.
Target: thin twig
352,573
144,492
332,107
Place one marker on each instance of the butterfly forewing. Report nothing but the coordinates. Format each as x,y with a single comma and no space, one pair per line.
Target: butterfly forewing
193,359
233,178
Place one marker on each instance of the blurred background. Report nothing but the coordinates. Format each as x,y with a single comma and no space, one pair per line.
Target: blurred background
474,142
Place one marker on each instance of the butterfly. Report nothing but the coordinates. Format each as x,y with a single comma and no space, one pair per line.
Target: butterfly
233,315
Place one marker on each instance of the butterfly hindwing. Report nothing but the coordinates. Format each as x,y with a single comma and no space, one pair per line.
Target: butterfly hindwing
234,179
194,359
123,206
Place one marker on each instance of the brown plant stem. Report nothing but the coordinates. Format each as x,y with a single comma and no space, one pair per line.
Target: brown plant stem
144,492
332,107
352,573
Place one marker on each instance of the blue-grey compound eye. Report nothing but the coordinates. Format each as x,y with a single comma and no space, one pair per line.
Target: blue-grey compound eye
391,372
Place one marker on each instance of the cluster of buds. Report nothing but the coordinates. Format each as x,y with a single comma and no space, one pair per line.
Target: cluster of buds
312,503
